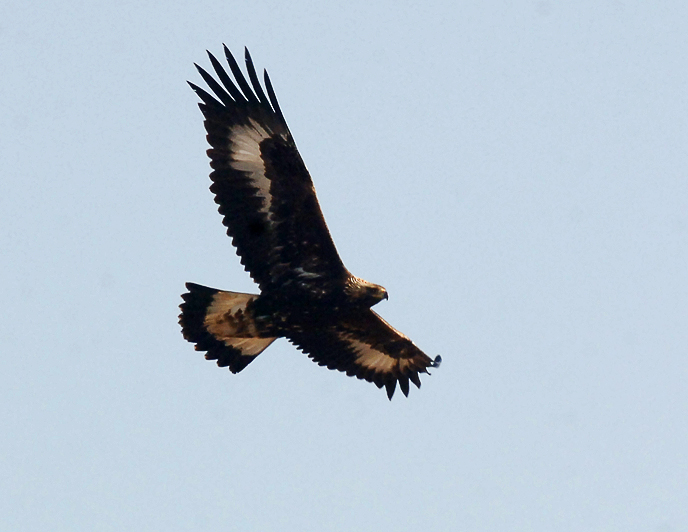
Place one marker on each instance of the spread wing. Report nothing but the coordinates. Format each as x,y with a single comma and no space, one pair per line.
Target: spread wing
366,346
263,189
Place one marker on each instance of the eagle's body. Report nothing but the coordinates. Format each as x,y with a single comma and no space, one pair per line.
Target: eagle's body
270,209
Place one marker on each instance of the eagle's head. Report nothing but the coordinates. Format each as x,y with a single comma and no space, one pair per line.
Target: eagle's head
362,293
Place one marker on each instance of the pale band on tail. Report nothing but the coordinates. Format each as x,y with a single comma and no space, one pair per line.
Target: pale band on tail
222,324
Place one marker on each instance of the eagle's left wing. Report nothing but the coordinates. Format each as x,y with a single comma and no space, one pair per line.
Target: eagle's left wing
364,345
261,185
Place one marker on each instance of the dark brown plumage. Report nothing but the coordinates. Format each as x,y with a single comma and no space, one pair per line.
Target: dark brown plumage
269,206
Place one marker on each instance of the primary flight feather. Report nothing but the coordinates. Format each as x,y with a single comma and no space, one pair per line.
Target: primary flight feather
268,203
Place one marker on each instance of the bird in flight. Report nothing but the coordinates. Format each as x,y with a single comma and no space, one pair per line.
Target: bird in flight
268,204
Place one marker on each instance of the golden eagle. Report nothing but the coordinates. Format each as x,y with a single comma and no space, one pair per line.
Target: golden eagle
271,212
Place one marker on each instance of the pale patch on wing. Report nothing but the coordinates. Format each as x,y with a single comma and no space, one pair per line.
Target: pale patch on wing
371,358
245,145
306,274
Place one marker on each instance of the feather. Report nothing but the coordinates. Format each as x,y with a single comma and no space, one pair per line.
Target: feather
268,203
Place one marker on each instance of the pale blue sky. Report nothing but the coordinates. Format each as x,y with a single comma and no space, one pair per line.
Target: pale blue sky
514,173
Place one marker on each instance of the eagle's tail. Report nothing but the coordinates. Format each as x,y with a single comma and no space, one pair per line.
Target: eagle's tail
222,323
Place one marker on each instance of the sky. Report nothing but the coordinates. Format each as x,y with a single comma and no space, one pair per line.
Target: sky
514,173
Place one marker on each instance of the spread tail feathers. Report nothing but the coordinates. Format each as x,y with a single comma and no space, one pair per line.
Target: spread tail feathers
222,323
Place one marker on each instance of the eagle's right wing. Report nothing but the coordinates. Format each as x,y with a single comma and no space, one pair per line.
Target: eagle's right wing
263,189
364,345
